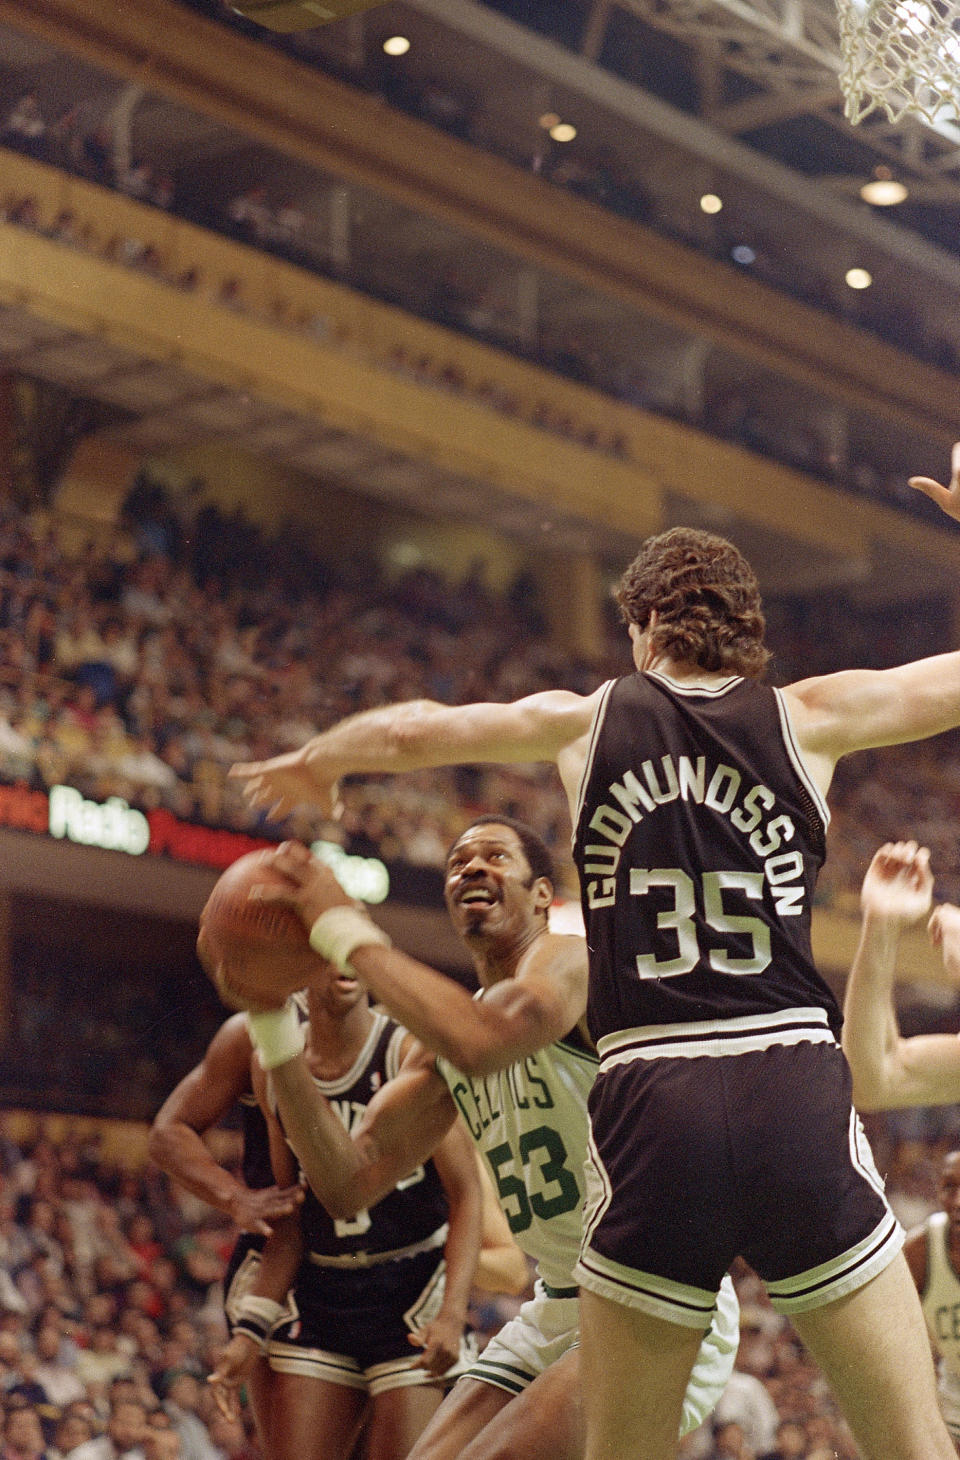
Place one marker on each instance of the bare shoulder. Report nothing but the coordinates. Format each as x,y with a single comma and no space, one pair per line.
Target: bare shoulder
231,1043
857,708
575,715
556,955
816,701
567,713
550,985
417,1059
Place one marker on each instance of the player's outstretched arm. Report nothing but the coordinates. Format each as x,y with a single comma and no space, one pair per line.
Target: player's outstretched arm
947,498
888,1070
541,1003
193,1107
414,735
858,709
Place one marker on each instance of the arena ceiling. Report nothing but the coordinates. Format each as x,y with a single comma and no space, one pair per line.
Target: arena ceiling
749,86
672,102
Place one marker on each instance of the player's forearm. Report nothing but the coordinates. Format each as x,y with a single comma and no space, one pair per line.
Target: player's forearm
478,1037
380,739
871,1034
462,1252
419,734
331,1161
279,1260
179,1151
502,1269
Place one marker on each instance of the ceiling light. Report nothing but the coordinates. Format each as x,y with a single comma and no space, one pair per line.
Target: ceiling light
396,45
563,132
548,120
710,203
883,191
858,278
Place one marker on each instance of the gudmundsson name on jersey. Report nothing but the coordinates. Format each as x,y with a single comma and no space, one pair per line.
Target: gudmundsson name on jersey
720,789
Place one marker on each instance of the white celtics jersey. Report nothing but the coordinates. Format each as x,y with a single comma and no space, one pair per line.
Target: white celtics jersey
530,1123
940,1301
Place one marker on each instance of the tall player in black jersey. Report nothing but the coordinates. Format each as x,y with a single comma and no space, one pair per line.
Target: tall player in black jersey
721,1118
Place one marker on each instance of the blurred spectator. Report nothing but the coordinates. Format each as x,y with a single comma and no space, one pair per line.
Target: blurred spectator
182,1402
72,1431
791,1442
22,1432
59,1380
250,216
729,1443
123,1438
25,127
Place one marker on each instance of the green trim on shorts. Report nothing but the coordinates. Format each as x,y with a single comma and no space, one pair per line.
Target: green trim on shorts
551,1292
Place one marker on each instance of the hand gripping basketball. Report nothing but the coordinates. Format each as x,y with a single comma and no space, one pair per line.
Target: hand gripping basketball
256,952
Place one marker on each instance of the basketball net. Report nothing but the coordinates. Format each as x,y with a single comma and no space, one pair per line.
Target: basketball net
901,55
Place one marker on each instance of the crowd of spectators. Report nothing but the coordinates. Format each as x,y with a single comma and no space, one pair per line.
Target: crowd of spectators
110,1309
111,1286
143,667
270,220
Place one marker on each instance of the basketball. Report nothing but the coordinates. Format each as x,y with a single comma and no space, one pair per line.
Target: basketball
256,953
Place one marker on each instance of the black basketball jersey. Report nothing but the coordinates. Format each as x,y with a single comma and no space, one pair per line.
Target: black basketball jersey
417,1206
698,840
256,1167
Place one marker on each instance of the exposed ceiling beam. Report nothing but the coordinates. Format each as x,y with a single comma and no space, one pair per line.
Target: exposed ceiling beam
770,107
648,113
595,30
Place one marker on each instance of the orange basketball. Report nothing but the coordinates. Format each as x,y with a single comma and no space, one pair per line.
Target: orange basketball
256,953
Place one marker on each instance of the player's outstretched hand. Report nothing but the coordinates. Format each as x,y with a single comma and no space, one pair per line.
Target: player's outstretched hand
234,1366
440,1342
898,886
944,930
311,888
946,498
278,786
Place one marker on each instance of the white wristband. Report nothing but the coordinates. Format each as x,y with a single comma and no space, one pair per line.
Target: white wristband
340,931
278,1034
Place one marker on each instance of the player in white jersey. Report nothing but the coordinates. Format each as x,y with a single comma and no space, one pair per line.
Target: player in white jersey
933,1255
516,1063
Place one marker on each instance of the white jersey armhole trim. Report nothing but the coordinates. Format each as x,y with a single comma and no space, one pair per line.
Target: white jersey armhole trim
391,1061
796,757
344,1083
598,719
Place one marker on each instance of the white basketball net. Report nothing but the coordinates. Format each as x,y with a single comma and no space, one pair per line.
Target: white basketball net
901,55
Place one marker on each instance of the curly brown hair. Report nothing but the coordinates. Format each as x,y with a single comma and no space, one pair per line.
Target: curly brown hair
706,597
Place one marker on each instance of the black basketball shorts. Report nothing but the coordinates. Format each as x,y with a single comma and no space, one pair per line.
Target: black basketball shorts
740,1142
351,1327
